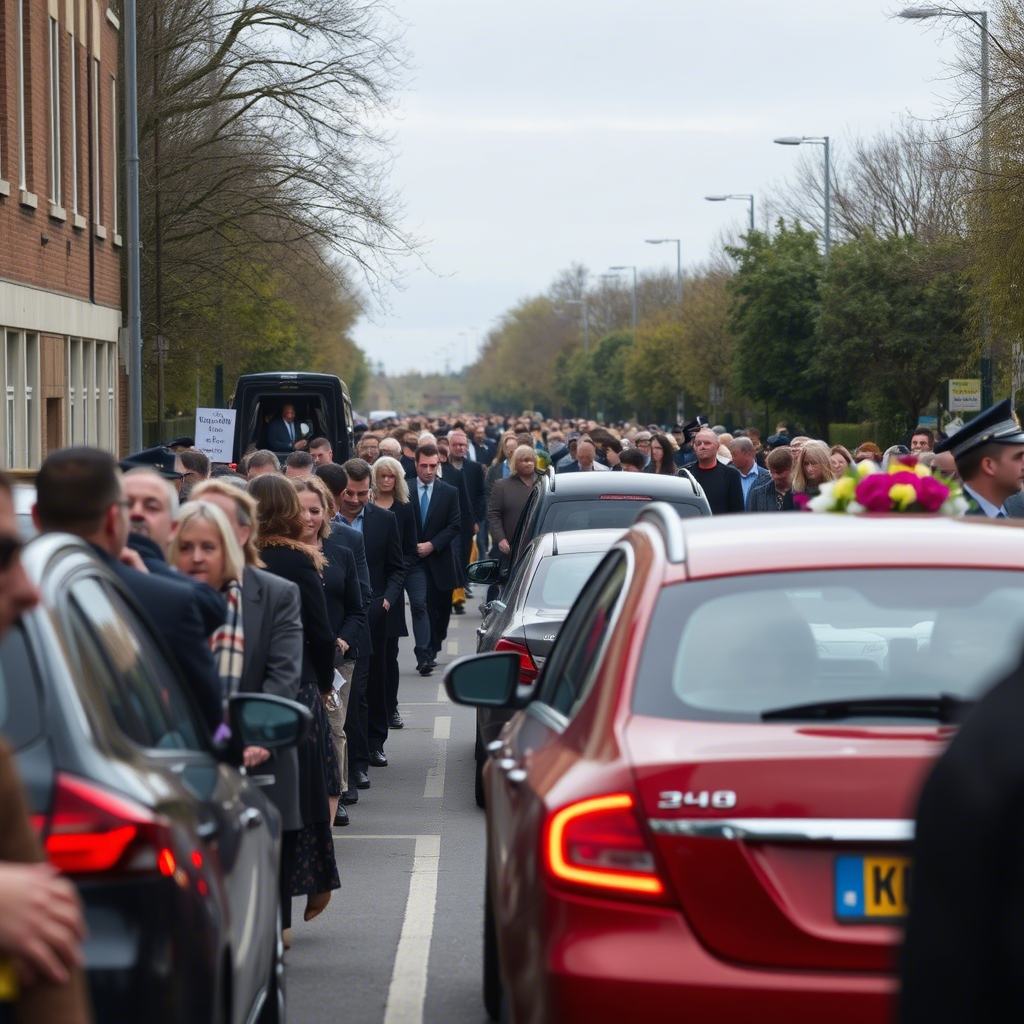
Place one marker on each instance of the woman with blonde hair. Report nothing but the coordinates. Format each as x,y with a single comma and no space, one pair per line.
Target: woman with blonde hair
813,467
260,650
282,524
509,496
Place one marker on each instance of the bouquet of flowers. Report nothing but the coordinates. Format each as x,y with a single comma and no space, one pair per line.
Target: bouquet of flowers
906,486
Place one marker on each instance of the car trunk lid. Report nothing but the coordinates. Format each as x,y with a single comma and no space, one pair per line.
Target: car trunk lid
786,845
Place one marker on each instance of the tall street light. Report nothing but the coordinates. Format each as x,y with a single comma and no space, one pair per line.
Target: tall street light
586,319
679,262
816,140
980,19
736,195
634,294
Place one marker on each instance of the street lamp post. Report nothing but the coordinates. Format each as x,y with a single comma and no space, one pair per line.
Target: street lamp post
980,19
633,268
679,263
817,140
736,195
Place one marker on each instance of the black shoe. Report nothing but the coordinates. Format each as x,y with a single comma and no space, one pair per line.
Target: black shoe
432,664
377,759
350,796
459,608
362,780
341,818
395,721
424,669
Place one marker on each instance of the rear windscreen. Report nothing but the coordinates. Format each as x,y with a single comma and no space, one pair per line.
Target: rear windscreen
20,718
613,512
310,418
560,578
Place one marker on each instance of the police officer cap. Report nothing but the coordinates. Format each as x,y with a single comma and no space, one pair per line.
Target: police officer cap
158,458
993,426
777,441
181,442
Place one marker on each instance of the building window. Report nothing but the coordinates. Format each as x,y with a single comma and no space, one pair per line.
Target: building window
22,139
55,162
114,165
97,199
31,385
74,123
10,410
74,389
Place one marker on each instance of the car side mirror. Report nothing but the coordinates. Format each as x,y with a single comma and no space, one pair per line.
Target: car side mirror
487,571
265,720
484,681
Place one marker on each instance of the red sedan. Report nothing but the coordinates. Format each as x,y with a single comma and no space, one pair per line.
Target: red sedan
705,809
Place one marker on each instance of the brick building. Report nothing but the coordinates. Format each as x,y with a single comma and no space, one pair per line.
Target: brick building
60,224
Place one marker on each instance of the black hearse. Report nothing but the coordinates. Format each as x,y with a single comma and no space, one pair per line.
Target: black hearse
322,409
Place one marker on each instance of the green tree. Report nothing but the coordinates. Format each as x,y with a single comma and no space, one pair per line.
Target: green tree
894,321
774,317
608,374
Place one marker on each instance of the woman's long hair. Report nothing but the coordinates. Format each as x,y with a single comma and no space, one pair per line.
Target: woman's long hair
394,467
234,559
668,465
278,509
500,457
817,452
245,513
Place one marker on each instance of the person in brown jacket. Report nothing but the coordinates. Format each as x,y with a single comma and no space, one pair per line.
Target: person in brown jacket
41,924
509,496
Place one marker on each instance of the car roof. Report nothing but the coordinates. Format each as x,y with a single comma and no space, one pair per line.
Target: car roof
649,485
750,543
302,376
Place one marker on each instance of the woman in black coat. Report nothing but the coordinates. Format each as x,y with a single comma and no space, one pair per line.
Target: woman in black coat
282,521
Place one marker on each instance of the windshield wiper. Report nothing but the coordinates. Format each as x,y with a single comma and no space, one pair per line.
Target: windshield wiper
943,707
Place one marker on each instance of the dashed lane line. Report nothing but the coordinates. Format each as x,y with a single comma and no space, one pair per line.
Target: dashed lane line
442,727
442,694
434,788
453,647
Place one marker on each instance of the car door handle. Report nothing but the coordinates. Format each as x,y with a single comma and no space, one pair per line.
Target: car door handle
207,829
516,776
251,818
506,764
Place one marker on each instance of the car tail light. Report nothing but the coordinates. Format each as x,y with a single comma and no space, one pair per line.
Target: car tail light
528,670
92,830
597,843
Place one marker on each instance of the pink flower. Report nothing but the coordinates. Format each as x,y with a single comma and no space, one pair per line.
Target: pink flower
910,461
800,502
931,493
873,492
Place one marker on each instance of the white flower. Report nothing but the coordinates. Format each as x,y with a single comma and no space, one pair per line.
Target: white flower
823,501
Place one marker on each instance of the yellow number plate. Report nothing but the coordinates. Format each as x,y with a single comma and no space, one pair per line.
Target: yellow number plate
870,889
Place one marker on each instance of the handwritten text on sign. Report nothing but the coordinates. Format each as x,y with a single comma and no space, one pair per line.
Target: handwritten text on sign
215,433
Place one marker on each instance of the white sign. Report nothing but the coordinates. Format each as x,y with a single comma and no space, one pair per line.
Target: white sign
215,433
965,395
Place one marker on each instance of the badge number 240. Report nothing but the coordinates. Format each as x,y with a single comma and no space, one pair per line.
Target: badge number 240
674,800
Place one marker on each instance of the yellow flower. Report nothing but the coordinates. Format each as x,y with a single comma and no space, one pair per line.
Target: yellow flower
902,495
865,468
845,488
922,470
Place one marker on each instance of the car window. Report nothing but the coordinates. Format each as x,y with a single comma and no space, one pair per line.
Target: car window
141,687
523,535
560,578
601,513
809,637
574,664
20,715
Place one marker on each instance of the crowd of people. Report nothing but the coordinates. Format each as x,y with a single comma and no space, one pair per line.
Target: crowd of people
292,576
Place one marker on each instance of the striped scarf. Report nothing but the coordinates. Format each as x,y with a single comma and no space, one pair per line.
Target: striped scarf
228,642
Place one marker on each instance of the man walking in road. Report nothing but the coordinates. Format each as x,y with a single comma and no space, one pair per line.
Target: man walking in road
776,493
744,458
722,485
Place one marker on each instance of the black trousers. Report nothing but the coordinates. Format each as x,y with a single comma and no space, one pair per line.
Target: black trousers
376,702
356,721
285,877
439,611
391,676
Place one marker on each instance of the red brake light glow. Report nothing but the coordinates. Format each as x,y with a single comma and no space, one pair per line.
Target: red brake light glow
528,671
598,843
93,830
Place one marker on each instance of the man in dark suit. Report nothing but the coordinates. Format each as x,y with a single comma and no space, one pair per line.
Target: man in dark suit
471,477
437,508
283,433
78,491
367,711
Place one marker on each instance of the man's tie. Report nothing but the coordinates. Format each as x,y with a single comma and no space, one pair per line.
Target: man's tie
291,430
424,502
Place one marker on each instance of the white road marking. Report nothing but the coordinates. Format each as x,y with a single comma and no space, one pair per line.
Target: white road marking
423,703
434,789
442,694
349,835
453,646
408,988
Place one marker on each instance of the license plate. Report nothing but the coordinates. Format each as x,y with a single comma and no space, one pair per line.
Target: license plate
872,889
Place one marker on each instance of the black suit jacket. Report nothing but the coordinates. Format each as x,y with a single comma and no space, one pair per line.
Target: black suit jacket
469,497
343,536
441,527
344,597
319,647
171,605
277,435
473,474
387,568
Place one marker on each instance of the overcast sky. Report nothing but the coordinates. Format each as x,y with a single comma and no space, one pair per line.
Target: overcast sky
539,133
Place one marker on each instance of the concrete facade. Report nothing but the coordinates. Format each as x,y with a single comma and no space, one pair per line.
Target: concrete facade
61,218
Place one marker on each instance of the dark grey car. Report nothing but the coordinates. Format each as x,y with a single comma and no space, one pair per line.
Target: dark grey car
526,618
